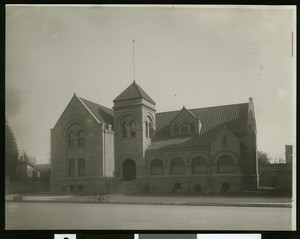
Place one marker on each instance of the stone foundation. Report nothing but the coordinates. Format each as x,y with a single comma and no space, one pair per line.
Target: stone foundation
232,184
83,186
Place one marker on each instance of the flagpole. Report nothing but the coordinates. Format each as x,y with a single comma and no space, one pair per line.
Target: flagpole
133,60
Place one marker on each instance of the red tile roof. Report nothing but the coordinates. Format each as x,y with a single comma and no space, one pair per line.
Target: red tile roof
234,117
134,91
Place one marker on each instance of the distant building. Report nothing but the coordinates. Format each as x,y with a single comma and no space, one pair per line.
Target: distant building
31,178
31,172
131,148
278,175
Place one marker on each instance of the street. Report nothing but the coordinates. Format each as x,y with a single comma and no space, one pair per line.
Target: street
69,216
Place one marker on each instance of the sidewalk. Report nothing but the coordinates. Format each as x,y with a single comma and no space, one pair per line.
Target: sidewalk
165,200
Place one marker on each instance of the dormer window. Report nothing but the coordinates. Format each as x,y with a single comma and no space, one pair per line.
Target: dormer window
184,128
192,128
176,129
185,122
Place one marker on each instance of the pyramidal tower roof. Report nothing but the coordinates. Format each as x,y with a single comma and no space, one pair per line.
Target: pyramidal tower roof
134,91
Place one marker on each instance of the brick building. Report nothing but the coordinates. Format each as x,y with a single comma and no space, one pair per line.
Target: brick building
131,148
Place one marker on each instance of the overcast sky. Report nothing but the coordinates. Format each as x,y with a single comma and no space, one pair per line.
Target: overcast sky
196,57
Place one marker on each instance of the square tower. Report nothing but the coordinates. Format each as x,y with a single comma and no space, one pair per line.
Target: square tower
134,124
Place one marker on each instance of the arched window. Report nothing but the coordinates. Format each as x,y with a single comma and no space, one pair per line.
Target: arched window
149,127
132,128
199,165
124,130
184,128
150,130
81,138
225,164
176,129
192,128
75,136
147,130
128,125
177,166
157,167
71,139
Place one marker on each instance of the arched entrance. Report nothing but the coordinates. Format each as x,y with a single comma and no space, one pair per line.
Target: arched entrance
129,170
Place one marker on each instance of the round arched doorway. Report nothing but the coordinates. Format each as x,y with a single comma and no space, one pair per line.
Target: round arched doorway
129,170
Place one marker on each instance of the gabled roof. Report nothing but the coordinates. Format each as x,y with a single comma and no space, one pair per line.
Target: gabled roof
187,110
101,113
228,131
134,91
234,117
42,168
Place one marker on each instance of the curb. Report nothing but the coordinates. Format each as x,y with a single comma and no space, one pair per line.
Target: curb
277,205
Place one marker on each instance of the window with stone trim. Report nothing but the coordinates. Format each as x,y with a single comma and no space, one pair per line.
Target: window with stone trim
71,167
157,167
184,128
128,126
192,127
225,164
81,167
177,166
149,128
146,129
199,165
71,139
132,128
75,136
81,138
176,129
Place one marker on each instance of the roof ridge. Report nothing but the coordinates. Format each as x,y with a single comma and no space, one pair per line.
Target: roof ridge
95,103
137,88
88,109
134,91
192,113
219,106
142,93
216,106
172,111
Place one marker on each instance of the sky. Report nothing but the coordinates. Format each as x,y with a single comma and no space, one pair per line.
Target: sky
195,57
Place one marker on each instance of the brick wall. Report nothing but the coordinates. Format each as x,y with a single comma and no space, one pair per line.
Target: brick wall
211,180
92,152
